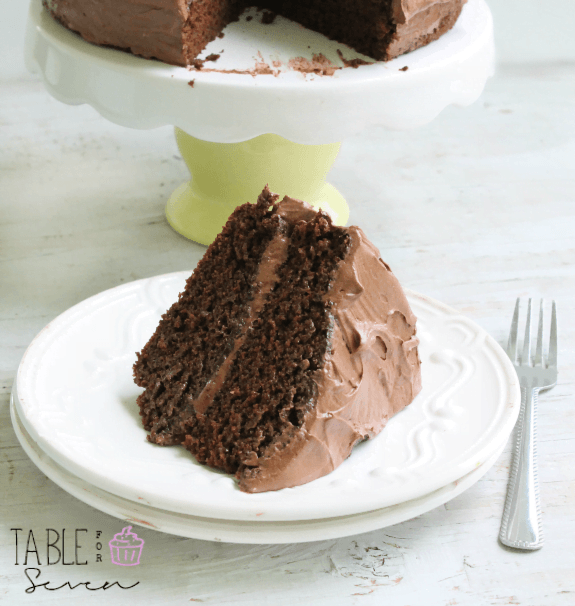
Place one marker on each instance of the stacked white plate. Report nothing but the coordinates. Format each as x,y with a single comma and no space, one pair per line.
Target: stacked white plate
74,411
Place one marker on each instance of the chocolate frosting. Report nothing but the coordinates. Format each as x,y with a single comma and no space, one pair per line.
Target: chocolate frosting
371,372
418,22
149,28
405,10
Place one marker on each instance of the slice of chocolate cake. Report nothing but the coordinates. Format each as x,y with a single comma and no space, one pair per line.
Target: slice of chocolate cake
292,342
176,31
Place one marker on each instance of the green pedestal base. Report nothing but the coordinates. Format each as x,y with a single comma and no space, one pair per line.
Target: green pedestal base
225,175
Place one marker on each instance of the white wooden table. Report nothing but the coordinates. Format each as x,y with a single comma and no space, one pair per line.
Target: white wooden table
475,209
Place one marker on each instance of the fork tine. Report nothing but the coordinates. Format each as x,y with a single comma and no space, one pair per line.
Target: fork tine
538,360
512,344
552,357
525,357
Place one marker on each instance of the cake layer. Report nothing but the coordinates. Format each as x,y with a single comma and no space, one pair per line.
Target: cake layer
175,31
182,363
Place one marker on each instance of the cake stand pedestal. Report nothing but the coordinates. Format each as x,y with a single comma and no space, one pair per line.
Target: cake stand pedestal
228,174
270,109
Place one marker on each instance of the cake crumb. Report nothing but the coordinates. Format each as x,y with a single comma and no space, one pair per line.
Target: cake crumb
221,35
260,68
354,63
319,65
191,83
212,57
197,64
404,68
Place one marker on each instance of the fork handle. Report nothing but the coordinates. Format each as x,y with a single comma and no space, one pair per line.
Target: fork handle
521,522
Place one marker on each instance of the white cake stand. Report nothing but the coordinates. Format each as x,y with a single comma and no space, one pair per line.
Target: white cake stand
238,128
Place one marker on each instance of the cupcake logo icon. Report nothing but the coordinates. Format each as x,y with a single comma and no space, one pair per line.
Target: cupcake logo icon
126,548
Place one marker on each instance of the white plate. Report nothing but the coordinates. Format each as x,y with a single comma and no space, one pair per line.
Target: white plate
231,107
237,531
78,402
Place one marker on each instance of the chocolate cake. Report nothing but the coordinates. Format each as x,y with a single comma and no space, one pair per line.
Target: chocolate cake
175,31
291,342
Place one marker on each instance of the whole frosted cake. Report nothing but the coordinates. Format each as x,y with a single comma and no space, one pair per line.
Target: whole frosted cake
292,342
175,31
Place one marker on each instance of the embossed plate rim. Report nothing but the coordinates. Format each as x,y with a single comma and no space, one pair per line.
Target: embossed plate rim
334,495
242,531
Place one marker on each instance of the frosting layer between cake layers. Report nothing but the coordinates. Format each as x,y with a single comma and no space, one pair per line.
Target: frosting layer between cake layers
274,255
175,31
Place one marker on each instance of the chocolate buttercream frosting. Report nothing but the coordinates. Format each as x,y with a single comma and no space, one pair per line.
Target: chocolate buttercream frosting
371,372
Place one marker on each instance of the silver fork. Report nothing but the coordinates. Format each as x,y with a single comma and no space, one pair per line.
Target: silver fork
521,522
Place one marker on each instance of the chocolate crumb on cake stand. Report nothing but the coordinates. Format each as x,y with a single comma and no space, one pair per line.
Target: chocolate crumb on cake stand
268,102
